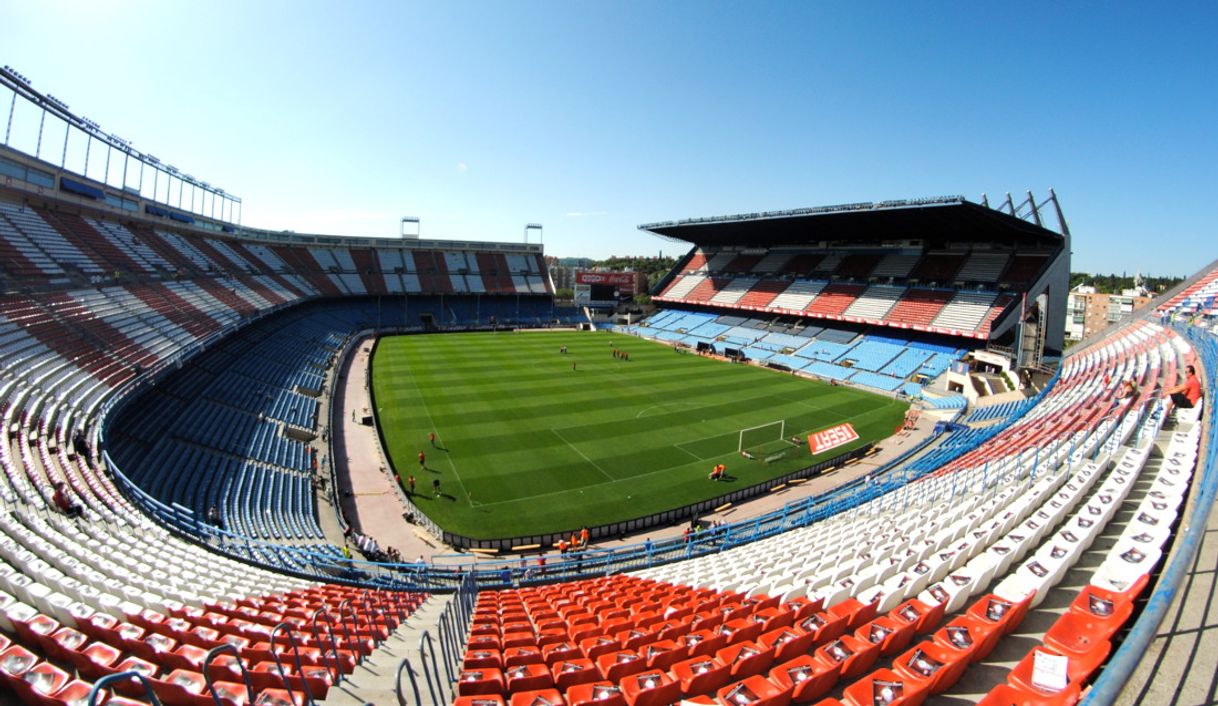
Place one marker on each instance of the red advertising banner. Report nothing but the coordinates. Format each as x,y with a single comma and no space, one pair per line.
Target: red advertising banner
831,438
616,279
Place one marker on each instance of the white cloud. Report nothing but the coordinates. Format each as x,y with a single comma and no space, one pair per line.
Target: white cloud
462,167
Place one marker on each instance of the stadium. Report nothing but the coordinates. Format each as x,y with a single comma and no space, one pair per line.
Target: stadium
212,493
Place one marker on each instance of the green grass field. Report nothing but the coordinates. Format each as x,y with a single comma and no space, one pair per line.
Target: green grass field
527,445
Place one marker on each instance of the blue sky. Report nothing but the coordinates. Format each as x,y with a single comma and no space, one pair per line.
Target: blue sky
591,118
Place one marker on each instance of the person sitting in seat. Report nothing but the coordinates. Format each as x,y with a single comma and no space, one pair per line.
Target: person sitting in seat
66,506
1186,395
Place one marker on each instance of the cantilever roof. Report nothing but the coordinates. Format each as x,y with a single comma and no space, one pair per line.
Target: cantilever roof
940,219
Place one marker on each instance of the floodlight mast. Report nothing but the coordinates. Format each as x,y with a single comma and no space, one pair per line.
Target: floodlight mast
418,228
532,227
48,105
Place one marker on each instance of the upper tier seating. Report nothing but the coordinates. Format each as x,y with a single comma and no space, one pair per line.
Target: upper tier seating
965,311
729,278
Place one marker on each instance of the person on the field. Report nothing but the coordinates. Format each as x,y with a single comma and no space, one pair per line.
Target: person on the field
1186,395
431,436
422,460
410,486
435,485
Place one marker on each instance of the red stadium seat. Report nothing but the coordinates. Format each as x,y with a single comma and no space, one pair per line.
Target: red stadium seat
824,626
1079,668
597,693
884,686
966,633
515,656
892,636
702,642
1075,633
662,654
537,697
37,682
622,663
528,677
559,651
651,687
808,678
700,675
577,670
594,647
753,691
854,656
73,693
1007,695
773,617
1005,614
801,607
482,659
855,611
940,667
484,700
924,617
179,687
740,630
745,658
787,642
480,681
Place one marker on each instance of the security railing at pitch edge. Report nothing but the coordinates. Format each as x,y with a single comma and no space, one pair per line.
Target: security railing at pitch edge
1125,660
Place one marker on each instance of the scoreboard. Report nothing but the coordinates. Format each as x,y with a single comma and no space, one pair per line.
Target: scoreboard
604,289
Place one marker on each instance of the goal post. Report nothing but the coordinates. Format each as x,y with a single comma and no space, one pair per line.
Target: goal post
761,434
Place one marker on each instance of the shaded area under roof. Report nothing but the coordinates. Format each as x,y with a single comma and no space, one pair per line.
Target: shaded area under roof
934,220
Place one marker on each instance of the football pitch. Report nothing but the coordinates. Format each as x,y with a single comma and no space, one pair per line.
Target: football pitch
531,440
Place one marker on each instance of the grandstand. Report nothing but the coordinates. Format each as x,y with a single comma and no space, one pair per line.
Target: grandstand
159,367
874,307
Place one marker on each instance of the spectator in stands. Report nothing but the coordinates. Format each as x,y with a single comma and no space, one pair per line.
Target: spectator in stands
1188,394
583,537
66,506
213,517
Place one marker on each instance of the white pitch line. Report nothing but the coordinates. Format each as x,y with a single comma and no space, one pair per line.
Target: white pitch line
581,455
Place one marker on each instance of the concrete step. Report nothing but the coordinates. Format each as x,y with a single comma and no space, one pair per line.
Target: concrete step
372,682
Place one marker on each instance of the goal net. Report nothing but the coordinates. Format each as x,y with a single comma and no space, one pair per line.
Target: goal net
761,435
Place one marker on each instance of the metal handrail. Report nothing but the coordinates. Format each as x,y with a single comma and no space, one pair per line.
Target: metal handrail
245,675
287,629
426,649
119,677
397,682
337,674
351,630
